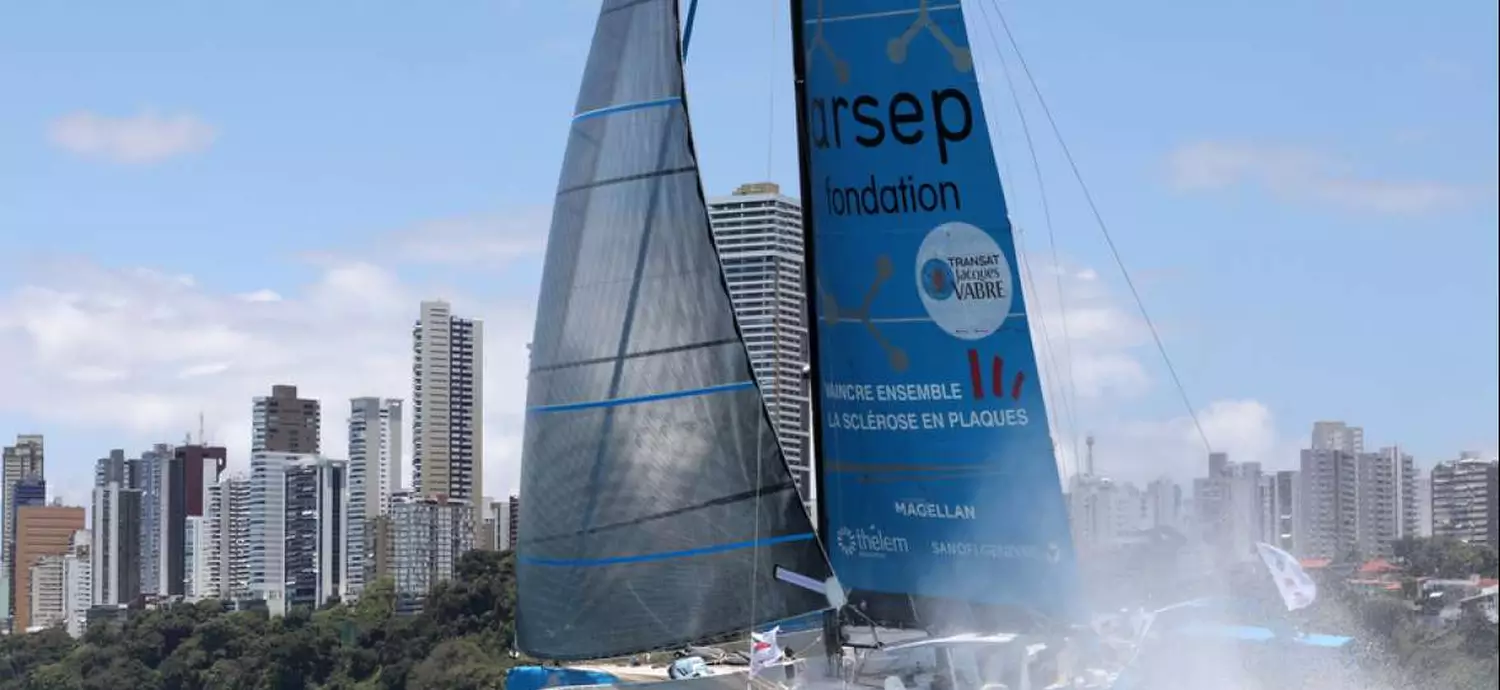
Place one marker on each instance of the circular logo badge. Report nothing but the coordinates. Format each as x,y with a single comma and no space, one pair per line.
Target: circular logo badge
964,280
937,279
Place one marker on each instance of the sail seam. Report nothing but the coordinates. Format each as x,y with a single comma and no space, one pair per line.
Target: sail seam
627,107
636,355
627,178
721,501
638,399
666,555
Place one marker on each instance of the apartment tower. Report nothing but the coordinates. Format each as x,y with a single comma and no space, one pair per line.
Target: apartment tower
285,423
447,407
758,234
375,445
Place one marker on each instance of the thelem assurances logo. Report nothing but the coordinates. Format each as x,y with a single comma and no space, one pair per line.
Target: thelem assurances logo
869,543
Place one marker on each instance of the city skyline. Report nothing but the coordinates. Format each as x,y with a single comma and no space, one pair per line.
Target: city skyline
174,240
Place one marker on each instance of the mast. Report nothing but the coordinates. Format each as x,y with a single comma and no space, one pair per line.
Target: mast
831,633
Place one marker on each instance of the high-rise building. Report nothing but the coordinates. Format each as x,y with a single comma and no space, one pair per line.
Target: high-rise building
78,583
285,423
447,407
41,531
115,536
513,527
190,480
267,520
1424,504
25,459
500,523
1229,507
1338,436
1164,503
234,537
316,530
758,234
152,478
1330,504
427,537
29,491
1104,512
60,588
1466,500
1283,495
1386,499
375,446
46,598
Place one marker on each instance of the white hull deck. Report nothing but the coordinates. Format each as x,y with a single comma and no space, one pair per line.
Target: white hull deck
784,675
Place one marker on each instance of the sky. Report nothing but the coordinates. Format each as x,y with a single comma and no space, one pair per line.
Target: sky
200,200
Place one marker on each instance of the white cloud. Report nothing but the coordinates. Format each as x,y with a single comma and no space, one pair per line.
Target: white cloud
1113,369
1086,339
136,355
1298,175
1141,450
143,138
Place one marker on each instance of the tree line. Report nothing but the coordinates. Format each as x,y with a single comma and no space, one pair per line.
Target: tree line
460,641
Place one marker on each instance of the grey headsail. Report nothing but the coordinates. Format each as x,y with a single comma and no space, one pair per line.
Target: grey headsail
656,504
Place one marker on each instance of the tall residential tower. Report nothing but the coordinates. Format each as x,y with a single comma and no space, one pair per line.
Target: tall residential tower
758,233
448,407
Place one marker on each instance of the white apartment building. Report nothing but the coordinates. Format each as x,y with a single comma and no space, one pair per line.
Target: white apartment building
267,527
1466,499
448,406
234,537
1354,503
758,234
46,595
375,448
427,538
78,584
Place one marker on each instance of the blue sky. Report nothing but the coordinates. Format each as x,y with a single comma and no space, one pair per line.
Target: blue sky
1304,191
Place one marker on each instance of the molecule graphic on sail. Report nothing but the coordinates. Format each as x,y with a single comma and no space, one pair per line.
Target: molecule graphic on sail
833,314
963,59
820,42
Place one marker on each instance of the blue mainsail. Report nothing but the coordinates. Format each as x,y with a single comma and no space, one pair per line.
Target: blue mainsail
938,479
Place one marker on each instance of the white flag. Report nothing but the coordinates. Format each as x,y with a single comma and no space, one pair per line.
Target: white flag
763,649
1298,591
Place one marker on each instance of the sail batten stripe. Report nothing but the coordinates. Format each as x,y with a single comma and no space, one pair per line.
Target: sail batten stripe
880,15
638,399
666,555
627,178
637,355
627,107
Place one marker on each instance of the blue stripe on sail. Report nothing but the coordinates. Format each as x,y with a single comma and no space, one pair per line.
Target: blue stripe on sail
665,555
626,107
633,400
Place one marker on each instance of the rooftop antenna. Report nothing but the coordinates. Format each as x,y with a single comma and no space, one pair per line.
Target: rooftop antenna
200,427
1089,462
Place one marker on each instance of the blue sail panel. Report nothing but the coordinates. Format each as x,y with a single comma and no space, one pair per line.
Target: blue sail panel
938,476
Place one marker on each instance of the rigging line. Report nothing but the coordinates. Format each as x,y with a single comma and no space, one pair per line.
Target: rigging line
1066,410
1048,362
1088,196
1071,389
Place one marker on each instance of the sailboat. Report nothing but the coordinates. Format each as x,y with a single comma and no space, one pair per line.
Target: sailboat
659,511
